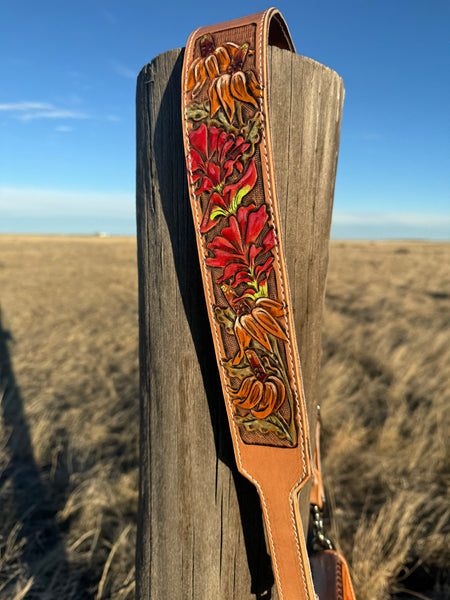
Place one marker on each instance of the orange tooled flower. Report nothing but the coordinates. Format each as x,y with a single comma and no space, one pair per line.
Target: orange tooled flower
210,63
257,323
261,394
223,67
234,85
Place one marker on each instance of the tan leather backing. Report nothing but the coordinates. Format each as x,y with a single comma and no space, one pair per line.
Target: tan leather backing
234,204
317,489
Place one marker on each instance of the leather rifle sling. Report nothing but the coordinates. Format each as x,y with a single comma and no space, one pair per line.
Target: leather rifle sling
233,199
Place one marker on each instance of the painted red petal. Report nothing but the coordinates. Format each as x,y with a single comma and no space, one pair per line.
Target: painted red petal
247,292
195,177
242,216
262,268
223,259
207,186
241,277
262,279
228,168
213,134
227,255
198,139
208,223
233,234
253,253
214,173
231,269
255,224
239,149
220,243
247,180
196,161
269,240
222,139
250,175
228,144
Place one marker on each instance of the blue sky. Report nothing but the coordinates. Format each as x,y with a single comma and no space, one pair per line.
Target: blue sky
67,123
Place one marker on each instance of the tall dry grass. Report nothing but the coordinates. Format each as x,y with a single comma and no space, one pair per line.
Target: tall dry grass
385,389
68,456
69,416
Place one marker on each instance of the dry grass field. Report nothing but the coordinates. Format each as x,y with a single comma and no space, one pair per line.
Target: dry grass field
69,416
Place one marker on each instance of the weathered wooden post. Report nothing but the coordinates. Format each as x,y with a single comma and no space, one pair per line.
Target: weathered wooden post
200,528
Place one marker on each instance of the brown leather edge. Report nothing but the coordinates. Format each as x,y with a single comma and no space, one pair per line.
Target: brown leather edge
317,489
331,576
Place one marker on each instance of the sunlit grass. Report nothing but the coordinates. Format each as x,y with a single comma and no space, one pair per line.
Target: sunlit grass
69,420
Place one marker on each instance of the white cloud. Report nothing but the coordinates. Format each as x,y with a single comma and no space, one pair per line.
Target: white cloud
359,225
40,202
368,136
406,219
109,16
28,111
123,71
25,106
64,128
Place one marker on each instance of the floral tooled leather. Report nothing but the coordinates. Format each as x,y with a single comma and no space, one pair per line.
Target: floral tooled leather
223,95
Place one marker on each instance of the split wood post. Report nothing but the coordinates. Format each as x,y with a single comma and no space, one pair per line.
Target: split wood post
200,526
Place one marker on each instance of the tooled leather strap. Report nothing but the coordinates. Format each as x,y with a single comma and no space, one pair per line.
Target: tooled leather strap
234,204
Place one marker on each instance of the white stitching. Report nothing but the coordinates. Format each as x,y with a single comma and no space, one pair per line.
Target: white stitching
277,245
211,303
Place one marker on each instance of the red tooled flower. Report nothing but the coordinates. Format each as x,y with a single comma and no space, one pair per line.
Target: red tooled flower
238,251
213,156
228,201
